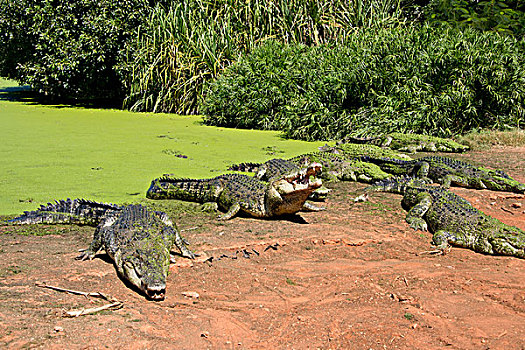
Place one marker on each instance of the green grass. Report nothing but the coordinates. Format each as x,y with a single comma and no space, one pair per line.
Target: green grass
56,152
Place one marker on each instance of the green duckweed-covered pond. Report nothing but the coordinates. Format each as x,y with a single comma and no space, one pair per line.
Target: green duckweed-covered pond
56,152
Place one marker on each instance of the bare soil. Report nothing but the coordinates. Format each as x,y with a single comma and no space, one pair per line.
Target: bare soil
350,277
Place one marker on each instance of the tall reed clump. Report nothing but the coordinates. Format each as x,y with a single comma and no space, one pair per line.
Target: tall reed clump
430,80
188,43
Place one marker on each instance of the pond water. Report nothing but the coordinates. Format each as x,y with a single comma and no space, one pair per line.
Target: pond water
55,152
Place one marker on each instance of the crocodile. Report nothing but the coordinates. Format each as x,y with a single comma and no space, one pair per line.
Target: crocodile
234,193
137,239
448,171
410,143
352,151
452,219
335,167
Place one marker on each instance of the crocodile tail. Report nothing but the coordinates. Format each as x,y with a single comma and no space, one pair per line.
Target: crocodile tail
246,167
69,211
395,184
194,190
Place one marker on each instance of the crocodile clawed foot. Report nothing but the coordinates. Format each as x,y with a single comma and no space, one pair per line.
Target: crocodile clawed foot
86,254
417,223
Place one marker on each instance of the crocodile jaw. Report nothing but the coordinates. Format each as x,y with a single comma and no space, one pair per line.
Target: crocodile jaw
288,195
146,271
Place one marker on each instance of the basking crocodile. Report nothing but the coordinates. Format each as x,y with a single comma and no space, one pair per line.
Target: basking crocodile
410,143
136,238
284,194
335,167
353,151
453,220
447,171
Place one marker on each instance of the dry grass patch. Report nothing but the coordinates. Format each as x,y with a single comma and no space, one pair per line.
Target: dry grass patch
479,140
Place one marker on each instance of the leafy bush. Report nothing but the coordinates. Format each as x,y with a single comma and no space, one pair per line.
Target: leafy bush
68,48
190,42
428,80
506,16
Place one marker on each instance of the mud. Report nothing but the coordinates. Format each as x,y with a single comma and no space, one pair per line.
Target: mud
351,277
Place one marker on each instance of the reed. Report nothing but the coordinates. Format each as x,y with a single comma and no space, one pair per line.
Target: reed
189,43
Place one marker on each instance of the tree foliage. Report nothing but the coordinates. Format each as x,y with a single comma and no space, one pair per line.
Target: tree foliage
68,48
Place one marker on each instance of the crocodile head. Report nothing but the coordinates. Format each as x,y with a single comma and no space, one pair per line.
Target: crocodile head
497,180
145,264
288,193
508,240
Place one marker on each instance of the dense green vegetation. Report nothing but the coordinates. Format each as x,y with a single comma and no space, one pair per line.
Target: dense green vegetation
159,56
504,16
431,80
56,152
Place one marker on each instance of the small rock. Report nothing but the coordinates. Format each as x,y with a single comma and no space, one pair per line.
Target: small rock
58,329
413,326
516,205
205,334
194,295
361,198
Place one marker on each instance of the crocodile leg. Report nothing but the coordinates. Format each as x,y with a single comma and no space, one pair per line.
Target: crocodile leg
423,169
232,211
447,181
97,242
443,239
347,174
179,242
364,178
210,207
415,215
388,140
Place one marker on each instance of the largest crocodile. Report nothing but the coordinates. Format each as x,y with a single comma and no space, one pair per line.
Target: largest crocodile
283,194
453,220
448,171
136,238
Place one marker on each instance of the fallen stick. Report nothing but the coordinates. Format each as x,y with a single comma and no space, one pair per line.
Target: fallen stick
86,294
75,313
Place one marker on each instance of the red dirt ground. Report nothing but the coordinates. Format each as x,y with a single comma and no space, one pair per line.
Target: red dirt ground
346,278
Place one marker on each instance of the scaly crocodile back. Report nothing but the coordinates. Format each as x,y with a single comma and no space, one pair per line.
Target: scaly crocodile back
69,211
246,167
194,190
268,170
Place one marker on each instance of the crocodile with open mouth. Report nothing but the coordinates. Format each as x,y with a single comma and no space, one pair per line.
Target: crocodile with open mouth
281,195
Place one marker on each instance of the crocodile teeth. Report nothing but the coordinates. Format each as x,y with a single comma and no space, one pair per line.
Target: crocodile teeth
155,293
